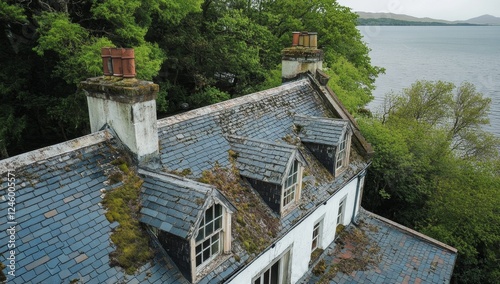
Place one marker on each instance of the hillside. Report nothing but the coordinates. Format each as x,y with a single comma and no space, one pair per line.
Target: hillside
485,19
390,19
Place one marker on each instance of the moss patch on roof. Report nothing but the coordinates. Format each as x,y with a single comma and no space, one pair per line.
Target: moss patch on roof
253,226
123,205
356,250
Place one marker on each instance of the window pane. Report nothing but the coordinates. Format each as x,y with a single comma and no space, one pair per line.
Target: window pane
275,273
209,214
218,210
257,281
209,229
200,236
198,260
215,245
206,254
266,277
218,223
198,249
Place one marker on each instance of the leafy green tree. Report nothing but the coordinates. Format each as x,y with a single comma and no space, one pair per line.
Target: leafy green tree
421,178
464,212
188,47
48,47
460,112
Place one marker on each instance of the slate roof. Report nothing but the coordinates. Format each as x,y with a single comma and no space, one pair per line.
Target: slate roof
320,130
196,139
403,255
174,204
62,232
262,160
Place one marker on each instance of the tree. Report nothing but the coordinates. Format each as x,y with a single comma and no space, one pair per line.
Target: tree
48,47
422,179
460,112
190,48
464,212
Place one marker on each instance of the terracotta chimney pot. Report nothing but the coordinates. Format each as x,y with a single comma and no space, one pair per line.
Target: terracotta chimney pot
116,57
107,65
305,36
128,63
301,39
313,40
295,38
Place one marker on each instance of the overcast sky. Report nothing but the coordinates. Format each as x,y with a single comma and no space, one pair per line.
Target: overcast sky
438,9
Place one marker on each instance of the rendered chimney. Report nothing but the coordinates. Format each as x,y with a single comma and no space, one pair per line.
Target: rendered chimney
302,57
128,106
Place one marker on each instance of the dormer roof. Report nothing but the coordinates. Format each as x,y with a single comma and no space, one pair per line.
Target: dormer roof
176,205
320,130
263,160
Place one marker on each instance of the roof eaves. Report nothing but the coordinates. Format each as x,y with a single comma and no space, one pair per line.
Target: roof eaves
212,195
45,153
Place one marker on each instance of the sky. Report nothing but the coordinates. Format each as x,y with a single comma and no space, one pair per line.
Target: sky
450,10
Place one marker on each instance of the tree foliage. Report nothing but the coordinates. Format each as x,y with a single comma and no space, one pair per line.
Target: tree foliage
435,170
192,48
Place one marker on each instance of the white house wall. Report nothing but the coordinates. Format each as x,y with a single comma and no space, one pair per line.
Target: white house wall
299,239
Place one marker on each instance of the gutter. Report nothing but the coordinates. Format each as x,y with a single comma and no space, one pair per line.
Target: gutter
358,186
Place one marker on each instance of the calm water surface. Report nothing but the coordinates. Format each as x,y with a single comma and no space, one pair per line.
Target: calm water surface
453,54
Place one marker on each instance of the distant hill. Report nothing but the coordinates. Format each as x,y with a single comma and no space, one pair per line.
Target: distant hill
390,19
485,19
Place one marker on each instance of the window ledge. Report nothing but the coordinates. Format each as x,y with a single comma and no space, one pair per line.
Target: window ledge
214,263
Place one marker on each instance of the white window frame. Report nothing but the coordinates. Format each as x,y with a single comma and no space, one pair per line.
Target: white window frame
342,148
283,268
343,153
341,211
316,235
291,188
216,235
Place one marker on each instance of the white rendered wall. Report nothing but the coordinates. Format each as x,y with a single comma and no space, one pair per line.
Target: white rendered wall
291,68
300,238
134,123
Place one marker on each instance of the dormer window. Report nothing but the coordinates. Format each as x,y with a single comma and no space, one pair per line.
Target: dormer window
209,238
328,139
341,153
273,169
196,234
291,185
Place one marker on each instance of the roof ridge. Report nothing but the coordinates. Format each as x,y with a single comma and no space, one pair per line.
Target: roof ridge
44,153
218,107
322,119
180,181
269,142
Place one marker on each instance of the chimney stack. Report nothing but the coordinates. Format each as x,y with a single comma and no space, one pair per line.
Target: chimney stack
124,103
303,56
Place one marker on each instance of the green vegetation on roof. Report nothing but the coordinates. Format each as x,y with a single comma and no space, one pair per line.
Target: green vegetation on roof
253,227
123,205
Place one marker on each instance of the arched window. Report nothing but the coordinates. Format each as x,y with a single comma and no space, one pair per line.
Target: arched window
291,185
209,241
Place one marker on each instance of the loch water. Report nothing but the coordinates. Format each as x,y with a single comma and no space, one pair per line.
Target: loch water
448,53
